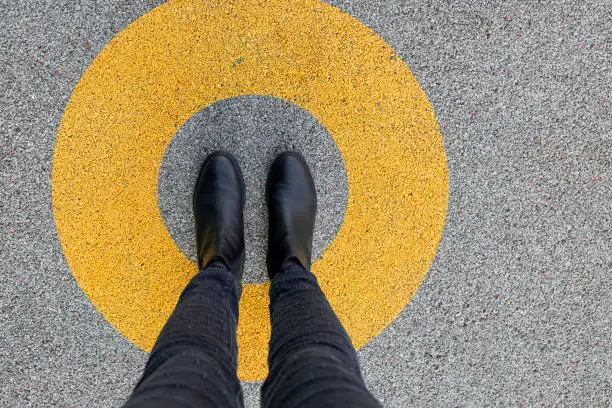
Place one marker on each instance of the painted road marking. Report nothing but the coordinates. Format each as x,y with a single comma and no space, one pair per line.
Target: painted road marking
184,56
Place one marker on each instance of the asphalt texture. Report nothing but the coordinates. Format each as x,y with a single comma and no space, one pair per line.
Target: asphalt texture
515,310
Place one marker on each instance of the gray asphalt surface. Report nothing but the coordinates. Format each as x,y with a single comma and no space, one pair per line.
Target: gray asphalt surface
515,310
256,130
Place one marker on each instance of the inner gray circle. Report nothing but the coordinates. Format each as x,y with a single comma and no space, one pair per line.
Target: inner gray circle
256,129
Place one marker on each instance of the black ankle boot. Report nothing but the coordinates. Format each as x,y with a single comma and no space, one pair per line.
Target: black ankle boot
218,206
292,206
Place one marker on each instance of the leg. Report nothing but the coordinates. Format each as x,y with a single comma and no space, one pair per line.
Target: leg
312,360
194,361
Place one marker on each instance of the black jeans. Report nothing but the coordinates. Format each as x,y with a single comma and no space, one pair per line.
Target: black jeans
312,362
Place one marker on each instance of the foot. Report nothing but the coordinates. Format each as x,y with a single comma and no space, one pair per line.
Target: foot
218,206
292,206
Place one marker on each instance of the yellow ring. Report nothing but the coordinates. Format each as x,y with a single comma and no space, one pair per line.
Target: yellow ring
186,55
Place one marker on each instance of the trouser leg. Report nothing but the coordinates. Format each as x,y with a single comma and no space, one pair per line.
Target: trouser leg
194,361
312,361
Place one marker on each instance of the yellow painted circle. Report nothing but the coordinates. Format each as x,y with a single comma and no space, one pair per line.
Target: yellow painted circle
186,55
